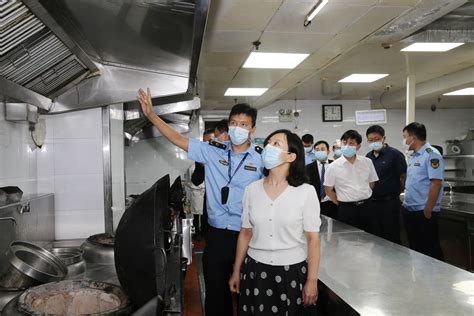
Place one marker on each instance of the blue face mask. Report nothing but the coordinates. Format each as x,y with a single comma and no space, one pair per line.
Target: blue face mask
321,155
376,146
338,153
308,149
271,157
348,151
238,135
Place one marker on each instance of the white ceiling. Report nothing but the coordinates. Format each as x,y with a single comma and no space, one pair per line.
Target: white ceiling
344,38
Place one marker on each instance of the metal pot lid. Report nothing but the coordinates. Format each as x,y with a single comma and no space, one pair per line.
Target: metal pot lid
137,249
36,262
74,297
68,255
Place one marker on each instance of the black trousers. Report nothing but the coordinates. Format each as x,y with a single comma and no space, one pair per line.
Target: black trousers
359,216
218,260
422,233
329,209
387,218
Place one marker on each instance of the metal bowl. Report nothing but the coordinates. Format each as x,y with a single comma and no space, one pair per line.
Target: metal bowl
30,265
72,258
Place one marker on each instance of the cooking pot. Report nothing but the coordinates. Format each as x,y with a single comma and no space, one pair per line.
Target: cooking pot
99,249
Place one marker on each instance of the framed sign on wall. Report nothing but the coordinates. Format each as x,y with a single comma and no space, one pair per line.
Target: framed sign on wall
332,112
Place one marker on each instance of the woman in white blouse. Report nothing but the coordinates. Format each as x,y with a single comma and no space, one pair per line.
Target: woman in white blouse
278,250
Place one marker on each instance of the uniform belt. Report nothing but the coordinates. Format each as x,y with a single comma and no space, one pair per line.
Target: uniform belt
356,203
384,198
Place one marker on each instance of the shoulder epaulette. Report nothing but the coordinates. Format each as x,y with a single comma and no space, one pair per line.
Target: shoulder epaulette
429,150
258,149
217,144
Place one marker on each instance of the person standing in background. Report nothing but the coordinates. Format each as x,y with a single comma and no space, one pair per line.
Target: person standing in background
349,182
391,169
278,251
336,149
423,192
308,141
229,168
221,131
198,193
316,172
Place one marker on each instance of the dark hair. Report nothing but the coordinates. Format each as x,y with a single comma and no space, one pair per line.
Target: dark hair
208,131
307,138
439,148
222,126
319,142
417,129
352,134
297,174
377,129
244,108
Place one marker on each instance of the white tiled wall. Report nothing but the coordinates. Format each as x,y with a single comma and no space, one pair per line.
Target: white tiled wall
148,160
117,162
17,157
441,125
70,165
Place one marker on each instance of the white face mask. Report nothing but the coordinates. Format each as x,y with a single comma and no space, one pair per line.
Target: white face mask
308,149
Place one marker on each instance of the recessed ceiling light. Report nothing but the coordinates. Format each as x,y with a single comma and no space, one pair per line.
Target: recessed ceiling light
430,47
363,77
274,60
465,91
245,92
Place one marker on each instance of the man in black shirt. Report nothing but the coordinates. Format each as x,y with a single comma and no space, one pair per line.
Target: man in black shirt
391,168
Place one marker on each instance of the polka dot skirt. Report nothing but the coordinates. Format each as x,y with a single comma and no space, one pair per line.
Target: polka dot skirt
272,290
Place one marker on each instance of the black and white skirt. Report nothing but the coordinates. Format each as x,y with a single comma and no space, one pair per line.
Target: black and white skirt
272,290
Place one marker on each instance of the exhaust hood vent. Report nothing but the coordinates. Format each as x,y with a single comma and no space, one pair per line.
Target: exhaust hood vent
32,56
69,55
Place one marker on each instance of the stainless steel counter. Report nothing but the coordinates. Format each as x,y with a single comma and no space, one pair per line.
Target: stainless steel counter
378,277
330,226
462,203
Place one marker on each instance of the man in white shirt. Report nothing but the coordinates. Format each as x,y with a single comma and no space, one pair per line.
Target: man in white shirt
352,177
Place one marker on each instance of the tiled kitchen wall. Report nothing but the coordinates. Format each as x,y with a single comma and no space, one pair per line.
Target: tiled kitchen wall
148,160
70,165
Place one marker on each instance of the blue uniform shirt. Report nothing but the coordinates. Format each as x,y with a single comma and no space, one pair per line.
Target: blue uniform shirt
390,165
309,157
214,156
423,166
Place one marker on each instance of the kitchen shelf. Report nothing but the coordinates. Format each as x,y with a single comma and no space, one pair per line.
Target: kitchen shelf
25,199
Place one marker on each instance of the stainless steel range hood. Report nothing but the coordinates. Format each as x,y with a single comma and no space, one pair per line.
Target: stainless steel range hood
66,55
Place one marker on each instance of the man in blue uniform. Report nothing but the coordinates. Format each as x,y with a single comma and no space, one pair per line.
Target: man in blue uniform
229,168
423,193
391,169
308,141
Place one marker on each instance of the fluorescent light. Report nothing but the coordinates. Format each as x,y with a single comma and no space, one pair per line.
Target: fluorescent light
465,91
315,10
363,77
245,91
431,47
274,60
